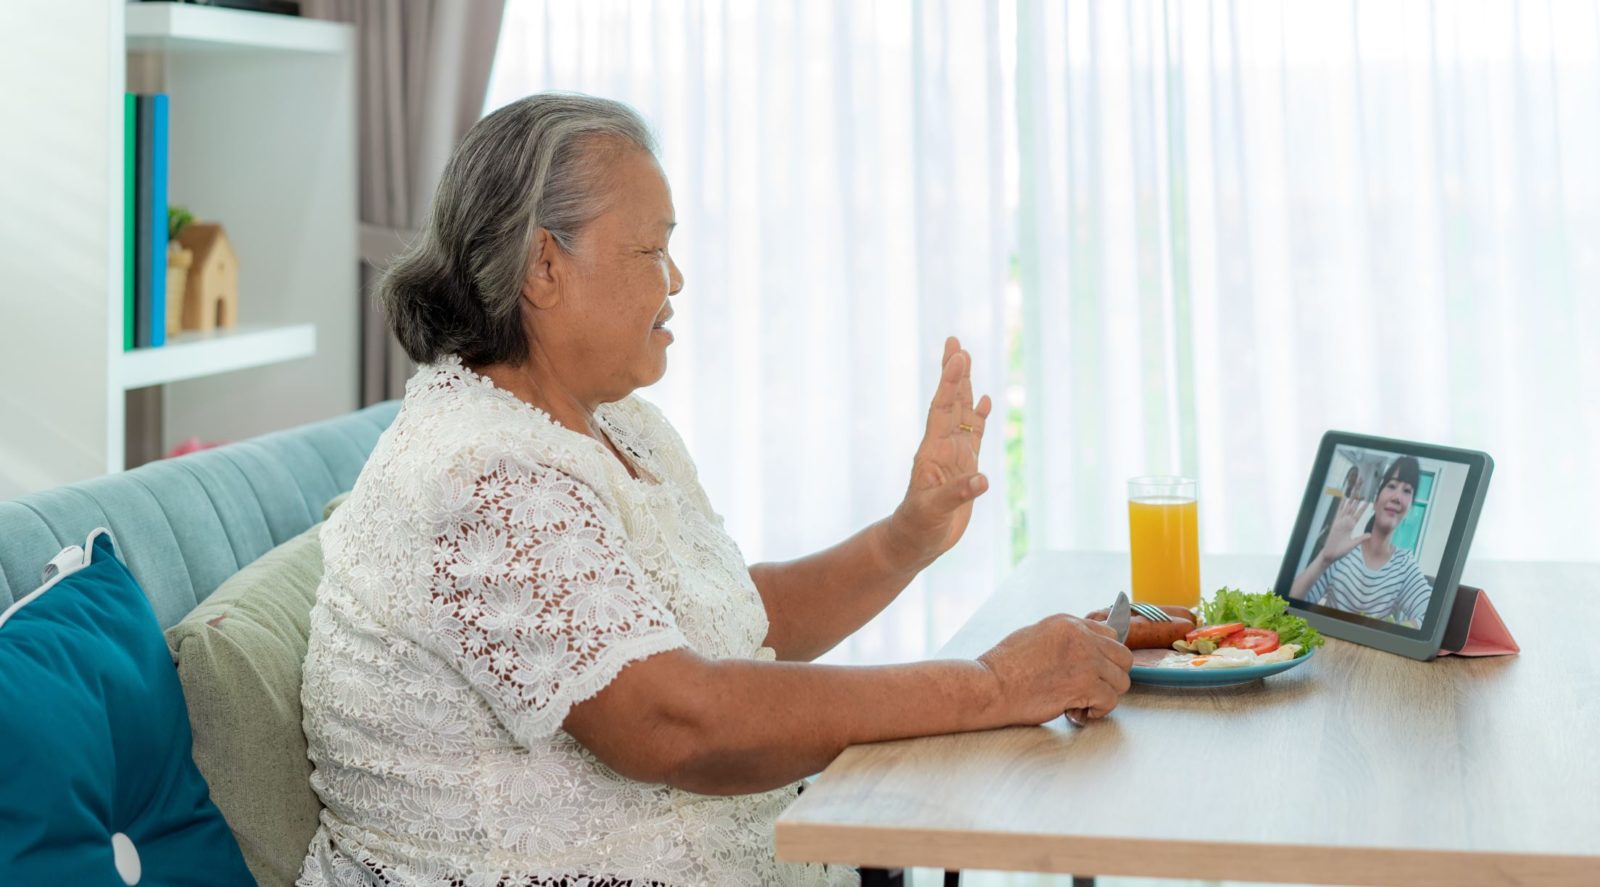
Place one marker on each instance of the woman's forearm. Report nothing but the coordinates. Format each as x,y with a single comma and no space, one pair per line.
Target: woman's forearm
815,602
1307,577
774,723
734,726
727,726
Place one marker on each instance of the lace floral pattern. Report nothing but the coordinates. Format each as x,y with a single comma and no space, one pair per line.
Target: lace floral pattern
490,571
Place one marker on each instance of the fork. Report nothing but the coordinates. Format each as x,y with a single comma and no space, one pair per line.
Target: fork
1152,613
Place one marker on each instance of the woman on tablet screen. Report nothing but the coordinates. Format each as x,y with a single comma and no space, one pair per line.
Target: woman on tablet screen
1367,574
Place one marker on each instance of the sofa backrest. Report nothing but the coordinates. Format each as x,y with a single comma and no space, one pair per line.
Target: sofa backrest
184,525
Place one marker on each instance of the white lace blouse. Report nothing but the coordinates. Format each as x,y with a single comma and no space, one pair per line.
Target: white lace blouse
490,570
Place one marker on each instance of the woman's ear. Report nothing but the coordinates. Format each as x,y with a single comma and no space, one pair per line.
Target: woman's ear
540,286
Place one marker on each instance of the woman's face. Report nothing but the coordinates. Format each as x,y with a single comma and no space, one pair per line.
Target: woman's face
609,335
1394,500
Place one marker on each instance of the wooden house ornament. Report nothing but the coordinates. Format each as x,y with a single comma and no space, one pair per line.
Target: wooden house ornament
211,294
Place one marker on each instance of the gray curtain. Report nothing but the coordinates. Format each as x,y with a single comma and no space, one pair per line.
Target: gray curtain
423,71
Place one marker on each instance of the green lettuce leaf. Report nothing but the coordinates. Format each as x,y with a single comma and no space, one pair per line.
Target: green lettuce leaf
1265,610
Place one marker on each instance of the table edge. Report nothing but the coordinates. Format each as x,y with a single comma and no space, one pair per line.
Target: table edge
955,850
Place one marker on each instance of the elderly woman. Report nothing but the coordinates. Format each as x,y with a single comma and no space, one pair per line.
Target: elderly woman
536,657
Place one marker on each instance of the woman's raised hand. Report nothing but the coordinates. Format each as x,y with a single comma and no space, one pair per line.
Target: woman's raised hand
944,472
1340,539
1058,664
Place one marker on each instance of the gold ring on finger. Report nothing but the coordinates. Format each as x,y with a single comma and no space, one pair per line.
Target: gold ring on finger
965,427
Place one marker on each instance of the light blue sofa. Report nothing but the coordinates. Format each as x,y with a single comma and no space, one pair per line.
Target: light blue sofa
185,525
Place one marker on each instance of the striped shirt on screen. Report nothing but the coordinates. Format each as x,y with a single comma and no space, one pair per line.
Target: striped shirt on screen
1397,590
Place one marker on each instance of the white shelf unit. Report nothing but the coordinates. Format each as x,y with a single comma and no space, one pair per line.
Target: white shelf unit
263,140
194,355
169,27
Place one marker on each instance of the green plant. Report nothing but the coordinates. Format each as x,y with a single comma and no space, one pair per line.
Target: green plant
1015,419
177,217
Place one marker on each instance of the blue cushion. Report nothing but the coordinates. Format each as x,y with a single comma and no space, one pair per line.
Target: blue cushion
99,787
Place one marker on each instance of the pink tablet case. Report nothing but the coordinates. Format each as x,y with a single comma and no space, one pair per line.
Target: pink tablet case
1487,634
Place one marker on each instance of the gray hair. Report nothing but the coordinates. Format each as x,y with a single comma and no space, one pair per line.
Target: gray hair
536,163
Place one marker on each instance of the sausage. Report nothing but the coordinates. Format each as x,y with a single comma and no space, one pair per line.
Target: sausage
1146,635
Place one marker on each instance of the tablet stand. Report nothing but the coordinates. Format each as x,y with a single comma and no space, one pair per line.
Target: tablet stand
1475,627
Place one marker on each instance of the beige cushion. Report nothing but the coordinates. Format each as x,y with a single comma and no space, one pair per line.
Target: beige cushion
239,657
335,502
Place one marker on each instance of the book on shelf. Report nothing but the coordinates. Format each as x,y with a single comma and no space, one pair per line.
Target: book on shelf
149,228
130,209
158,222
143,142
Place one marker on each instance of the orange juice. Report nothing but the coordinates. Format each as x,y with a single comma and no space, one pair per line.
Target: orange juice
1163,533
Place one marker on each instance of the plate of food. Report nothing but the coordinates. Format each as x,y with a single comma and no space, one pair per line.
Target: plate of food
1235,637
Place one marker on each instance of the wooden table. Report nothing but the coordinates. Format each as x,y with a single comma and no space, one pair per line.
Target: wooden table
1359,767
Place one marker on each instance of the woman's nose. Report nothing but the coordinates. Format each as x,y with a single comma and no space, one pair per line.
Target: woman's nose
674,278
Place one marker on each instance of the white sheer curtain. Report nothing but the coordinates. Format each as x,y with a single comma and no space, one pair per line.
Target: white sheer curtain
839,174
1244,223
1232,226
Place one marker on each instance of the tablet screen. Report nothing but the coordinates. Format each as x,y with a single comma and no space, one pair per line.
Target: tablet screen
1378,535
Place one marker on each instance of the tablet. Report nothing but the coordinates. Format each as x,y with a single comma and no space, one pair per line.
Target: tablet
1382,535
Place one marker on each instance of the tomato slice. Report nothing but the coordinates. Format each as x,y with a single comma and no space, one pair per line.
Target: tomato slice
1214,631
1257,640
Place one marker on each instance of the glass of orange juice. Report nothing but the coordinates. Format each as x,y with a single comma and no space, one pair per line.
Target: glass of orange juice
1164,536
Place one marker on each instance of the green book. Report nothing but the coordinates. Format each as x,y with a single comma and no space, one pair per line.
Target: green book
130,206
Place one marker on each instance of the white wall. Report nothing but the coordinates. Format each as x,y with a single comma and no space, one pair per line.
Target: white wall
60,152
1448,481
